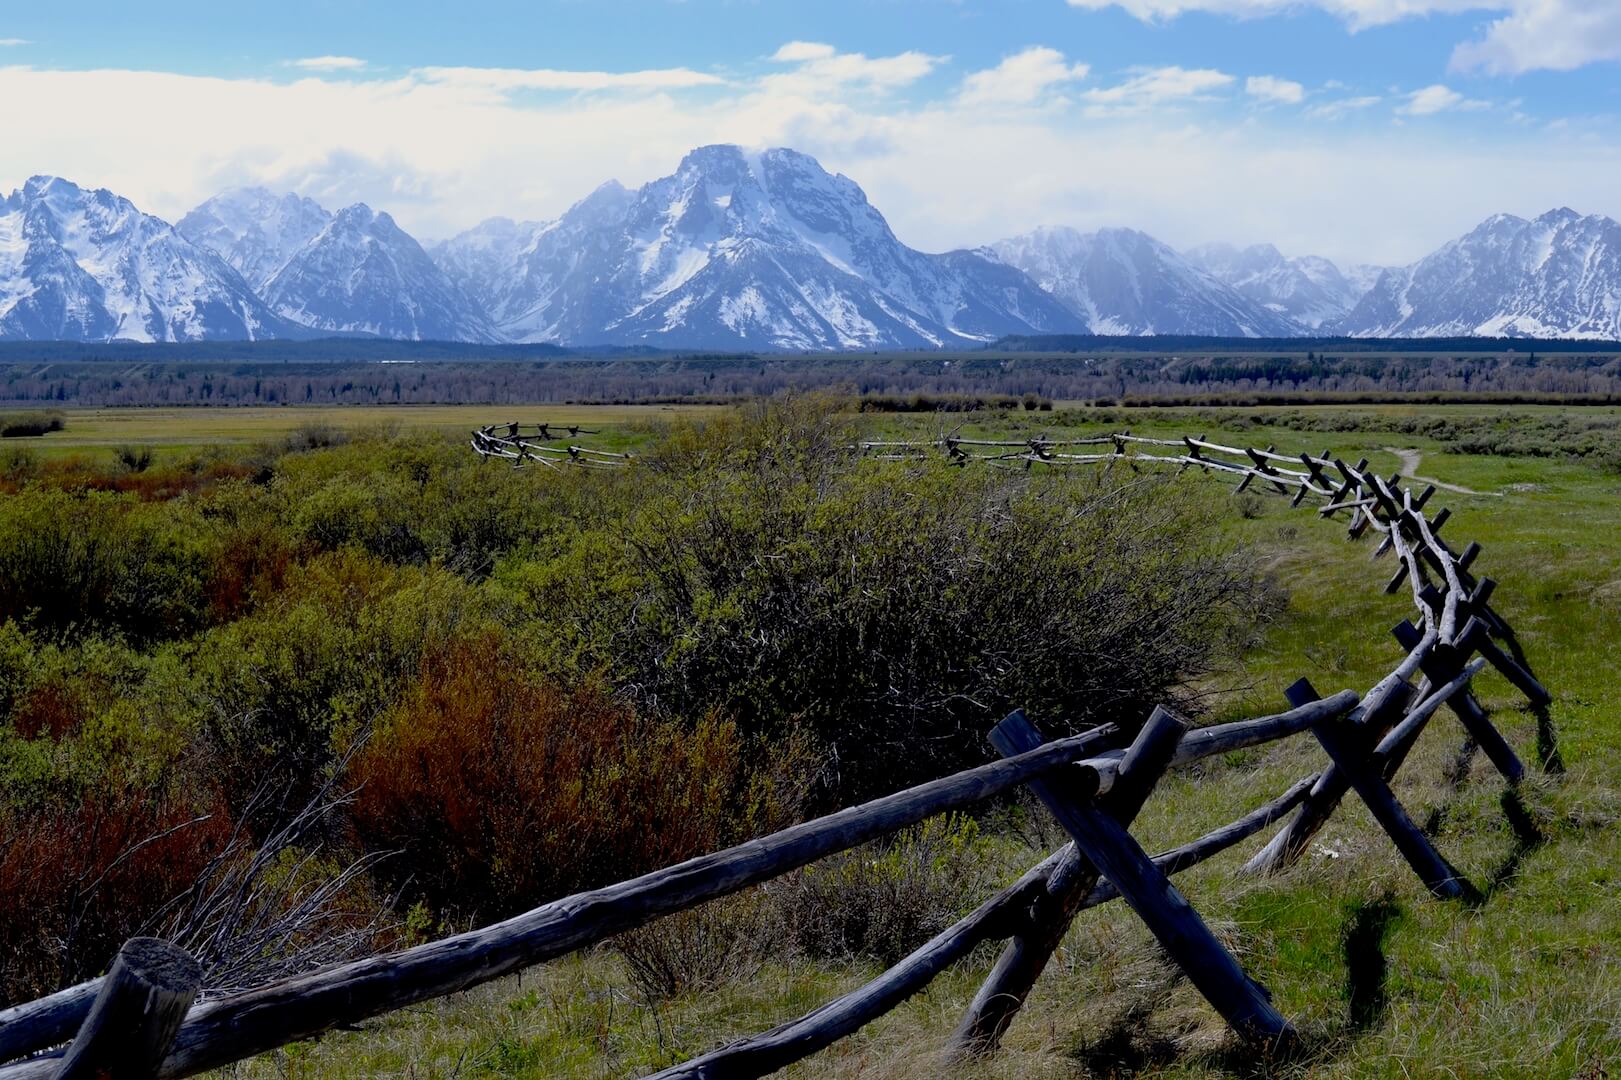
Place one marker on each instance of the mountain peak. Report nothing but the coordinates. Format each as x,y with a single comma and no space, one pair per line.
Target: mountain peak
787,155
89,265
741,249
715,160
1499,224
1506,277
44,183
361,215
1562,215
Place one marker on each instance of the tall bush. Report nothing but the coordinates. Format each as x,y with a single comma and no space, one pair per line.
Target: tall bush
500,789
892,609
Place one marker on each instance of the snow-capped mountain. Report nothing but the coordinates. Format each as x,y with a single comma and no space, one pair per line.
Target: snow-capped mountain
1556,276
737,250
364,274
740,250
355,271
541,281
1125,282
87,265
254,230
1309,291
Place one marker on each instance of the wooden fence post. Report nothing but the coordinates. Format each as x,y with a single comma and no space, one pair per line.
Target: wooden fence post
1377,717
1350,751
1441,666
136,1015
1025,957
1244,1004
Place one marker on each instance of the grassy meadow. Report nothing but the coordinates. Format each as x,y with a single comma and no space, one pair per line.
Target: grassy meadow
1526,985
174,432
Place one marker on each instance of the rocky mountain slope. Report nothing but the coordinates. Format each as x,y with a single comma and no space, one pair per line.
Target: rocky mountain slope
87,265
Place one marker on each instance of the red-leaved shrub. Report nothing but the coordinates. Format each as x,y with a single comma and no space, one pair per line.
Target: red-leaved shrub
80,875
501,790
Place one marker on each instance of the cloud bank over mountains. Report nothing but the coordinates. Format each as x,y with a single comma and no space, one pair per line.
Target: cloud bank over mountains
959,153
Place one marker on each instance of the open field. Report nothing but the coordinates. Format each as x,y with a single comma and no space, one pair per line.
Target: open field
172,430
1527,985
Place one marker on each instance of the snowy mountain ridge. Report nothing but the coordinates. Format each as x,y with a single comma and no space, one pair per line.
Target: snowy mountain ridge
746,250
1557,275
1126,282
352,272
740,249
1308,290
86,265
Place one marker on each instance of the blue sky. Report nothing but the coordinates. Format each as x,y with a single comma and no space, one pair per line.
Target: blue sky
1366,130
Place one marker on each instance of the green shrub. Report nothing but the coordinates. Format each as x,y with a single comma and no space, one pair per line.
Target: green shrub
892,609
30,424
101,562
286,688
566,678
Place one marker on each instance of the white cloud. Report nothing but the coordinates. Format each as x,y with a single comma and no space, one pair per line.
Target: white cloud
1331,110
821,69
507,80
1271,88
1158,86
1021,79
1552,35
8,42
442,155
1436,99
329,63
1531,35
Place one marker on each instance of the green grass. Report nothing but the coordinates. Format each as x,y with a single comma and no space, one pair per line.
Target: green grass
175,431
1529,984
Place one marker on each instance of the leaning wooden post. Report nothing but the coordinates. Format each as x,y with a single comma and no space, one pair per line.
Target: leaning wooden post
1241,1001
136,1016
1025,957
1377,715
1441,666
1350,751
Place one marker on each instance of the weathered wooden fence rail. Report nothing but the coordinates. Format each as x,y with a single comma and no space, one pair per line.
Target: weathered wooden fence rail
1093,783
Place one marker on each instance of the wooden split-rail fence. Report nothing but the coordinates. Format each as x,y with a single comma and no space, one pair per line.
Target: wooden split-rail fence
145,1018
538,444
